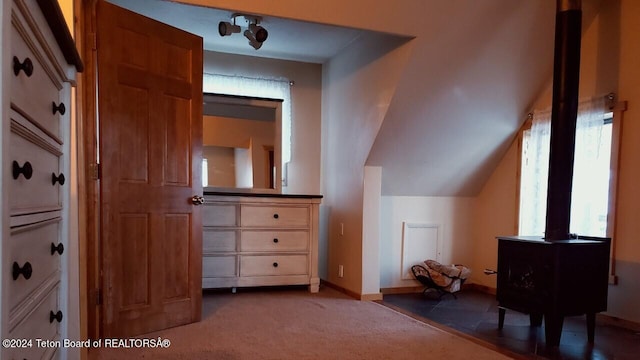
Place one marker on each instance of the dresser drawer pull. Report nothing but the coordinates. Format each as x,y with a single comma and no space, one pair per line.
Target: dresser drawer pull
25,270
57,179
275,240
57,249
25,170
58,108
275,264
26,66
55,316
275,216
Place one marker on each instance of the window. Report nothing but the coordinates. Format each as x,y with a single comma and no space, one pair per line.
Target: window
591,174
205,172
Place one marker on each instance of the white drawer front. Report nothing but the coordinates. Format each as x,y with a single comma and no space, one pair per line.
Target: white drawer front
219,215
35,94
38,325
37,193
218,241
219,266
274,216
260,265
32,245
275,240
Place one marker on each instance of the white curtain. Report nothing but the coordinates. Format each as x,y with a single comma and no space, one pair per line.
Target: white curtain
590,190
534,175
256,87
591,170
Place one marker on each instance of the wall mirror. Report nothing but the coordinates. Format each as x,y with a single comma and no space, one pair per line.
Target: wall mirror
241,143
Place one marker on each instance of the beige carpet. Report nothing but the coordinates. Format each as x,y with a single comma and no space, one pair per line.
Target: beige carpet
294,324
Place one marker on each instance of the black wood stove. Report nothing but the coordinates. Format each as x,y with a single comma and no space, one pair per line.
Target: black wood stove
558,275
553,279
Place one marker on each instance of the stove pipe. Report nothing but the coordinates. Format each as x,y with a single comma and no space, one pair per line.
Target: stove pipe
564,111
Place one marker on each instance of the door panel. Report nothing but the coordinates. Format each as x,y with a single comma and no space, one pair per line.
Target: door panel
150,119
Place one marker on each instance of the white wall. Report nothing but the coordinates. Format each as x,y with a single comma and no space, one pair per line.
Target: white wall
371,229
304,169
358,85
619,39
495,215
454,215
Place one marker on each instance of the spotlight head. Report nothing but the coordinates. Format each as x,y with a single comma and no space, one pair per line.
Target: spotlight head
259,32
226,28
252,40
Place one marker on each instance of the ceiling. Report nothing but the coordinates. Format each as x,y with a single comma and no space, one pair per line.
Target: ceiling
288,39
463,90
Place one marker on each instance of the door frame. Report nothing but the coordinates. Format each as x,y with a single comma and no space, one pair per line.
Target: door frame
88,172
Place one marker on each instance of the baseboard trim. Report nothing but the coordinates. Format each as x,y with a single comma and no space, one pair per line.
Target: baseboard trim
615,321
481,288
402,290
371,297
362,297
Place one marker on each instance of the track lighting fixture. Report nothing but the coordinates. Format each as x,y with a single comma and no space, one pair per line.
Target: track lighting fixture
259,32
226,28
255,33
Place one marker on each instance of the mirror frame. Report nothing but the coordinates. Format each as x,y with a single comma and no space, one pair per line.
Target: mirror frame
275,104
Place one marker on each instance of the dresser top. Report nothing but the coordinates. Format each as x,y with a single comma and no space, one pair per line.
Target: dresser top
258,194
55,20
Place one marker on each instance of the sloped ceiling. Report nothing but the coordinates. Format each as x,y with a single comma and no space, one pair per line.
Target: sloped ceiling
469,88
475,69
464,96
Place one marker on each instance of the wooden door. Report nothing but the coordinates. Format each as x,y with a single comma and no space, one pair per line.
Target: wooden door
150,121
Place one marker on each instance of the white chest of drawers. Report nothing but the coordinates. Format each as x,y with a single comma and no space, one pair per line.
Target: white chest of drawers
39,63
260,240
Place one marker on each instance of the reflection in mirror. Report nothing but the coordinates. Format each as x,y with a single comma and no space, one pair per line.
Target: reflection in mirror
241,142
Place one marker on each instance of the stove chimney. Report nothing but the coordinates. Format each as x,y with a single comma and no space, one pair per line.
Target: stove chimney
564,111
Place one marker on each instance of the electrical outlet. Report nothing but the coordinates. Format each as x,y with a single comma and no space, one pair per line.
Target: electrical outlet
340,271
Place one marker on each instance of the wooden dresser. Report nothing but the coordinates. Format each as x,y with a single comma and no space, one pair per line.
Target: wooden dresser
39,62
254,239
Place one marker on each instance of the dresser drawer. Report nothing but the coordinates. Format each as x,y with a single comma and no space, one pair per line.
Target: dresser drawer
259,240
262,265
35,161
35,95
32,244
274,216
219,241
38,325
219,215
219,266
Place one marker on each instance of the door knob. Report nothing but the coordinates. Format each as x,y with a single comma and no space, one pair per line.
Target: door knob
197,200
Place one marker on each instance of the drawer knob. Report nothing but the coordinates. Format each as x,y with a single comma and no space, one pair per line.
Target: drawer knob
57,249
55,316
275,216
57,179
58,108
275,240
25,170
25,270
26,66
275,264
